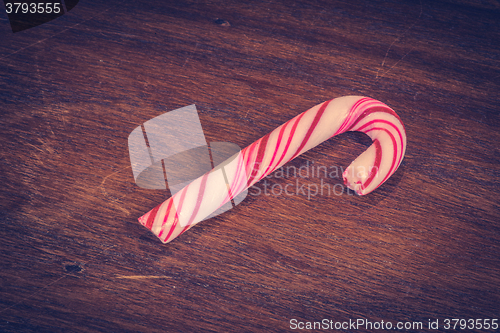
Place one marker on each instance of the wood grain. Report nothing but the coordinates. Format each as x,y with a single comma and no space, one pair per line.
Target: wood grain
422,247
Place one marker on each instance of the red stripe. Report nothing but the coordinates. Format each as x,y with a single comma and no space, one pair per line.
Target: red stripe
376,164
312,127
200,198
294,127
236,184
247,154
230,193
168,211
258,159
176,219
395,128
391,136
370,111
395,151
151,217
349,115
280,136
167,214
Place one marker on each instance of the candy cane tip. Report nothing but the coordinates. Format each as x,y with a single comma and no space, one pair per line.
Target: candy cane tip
144,219
353,182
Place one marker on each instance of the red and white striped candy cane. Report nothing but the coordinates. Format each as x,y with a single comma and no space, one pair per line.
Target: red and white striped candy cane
373,167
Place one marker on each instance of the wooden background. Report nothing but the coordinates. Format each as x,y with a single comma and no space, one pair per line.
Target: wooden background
422,247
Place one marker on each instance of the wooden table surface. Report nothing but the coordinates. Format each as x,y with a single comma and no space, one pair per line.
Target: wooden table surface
423,247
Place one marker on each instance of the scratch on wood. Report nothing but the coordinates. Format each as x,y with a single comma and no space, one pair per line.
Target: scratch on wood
140,277
124,210
397,39
103,187
185,62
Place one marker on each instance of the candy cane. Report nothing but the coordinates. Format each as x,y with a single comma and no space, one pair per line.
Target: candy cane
373,167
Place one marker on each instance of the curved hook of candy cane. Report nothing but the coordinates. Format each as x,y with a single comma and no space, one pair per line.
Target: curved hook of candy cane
351,113
376,164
